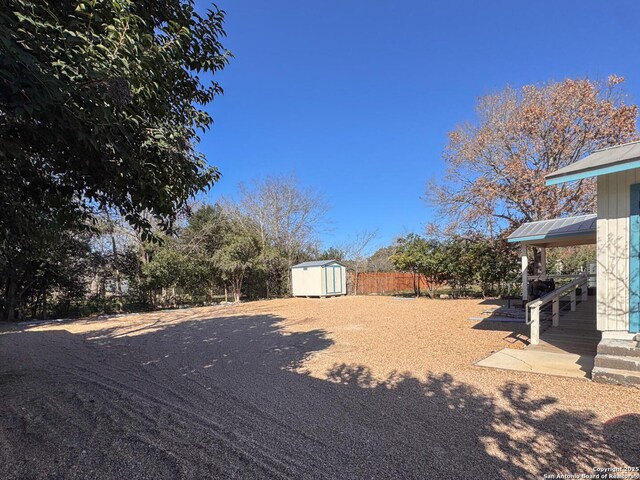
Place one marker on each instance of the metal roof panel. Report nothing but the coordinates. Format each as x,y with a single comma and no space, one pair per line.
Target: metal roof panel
316,263
608,160
540,231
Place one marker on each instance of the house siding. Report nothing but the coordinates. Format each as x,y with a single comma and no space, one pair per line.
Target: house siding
614,204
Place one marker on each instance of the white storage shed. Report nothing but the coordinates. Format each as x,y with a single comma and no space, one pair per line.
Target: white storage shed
323,278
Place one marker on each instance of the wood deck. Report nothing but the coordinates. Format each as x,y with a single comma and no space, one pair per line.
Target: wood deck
576,332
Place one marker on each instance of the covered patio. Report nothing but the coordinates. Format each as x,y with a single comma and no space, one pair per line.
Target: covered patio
562,321
559,232
616,233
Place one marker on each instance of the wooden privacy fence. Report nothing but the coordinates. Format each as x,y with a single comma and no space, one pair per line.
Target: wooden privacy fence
382,283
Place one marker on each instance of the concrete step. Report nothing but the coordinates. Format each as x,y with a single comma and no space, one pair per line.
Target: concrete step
495,318
624,348
505,312
610,375
586,335
618,362
512,312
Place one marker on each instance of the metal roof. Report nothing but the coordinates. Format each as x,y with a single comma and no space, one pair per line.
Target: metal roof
317,263
608,160
578,230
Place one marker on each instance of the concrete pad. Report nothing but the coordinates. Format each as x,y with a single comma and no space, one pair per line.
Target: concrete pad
547,363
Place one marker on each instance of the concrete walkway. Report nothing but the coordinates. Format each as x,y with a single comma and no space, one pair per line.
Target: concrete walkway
539,361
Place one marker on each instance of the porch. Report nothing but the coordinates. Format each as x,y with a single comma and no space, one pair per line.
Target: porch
567,349
575,333
560,310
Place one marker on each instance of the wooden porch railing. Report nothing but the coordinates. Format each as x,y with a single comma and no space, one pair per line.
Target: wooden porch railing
532,309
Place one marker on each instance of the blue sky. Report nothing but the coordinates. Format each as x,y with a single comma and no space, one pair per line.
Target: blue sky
356,97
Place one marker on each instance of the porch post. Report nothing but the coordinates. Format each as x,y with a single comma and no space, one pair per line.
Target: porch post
543,261
525,265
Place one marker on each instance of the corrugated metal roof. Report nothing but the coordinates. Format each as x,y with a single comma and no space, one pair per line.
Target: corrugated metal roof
316,263
548,230
608,160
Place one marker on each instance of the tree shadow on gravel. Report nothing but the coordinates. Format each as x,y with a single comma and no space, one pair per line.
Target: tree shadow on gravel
223,398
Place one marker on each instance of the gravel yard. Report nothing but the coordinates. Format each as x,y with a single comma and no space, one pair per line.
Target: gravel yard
349,387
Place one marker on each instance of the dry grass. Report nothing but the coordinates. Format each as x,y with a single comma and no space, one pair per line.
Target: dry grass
347,387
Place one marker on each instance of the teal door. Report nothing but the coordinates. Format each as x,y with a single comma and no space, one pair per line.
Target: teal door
634,260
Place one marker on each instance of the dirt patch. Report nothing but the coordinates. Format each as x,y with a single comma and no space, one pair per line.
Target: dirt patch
350,387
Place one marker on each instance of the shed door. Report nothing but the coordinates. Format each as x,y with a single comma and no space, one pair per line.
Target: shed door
634,260
333,279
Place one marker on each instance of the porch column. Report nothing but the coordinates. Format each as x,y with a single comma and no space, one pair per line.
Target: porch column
543,261
525,265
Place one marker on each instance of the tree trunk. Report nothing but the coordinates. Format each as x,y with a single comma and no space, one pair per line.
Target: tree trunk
10,299
237,287
114,266
355,283
44,303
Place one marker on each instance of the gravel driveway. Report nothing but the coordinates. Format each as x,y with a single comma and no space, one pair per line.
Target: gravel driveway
352,387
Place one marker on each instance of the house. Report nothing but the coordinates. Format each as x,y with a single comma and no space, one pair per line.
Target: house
323,278
612,318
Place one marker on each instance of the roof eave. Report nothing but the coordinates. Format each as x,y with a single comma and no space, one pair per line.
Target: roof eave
557,179
568,239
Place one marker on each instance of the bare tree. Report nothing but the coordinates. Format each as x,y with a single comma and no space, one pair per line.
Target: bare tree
286,217
356,253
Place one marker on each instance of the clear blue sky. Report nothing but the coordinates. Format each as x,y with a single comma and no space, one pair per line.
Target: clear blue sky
356,96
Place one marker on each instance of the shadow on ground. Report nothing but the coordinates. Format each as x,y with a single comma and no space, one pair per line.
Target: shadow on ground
223,397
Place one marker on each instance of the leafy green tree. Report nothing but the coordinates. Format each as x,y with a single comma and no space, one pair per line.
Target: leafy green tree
239,253
459,263
570,260
420,256
170,271
100,106
408,257
223,241
496,263
432,266
59,277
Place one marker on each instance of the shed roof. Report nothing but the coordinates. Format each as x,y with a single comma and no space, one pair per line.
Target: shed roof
579,230
316,263
607,160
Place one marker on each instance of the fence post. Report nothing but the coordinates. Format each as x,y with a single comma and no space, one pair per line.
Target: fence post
556,311
585,290
573,300
535,326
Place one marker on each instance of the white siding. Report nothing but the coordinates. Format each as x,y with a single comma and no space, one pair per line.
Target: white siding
306,282
614,205
323,288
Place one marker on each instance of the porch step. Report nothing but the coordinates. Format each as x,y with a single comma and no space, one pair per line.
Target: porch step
515,313
611,375
572,334
618,362
495,318
624,348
